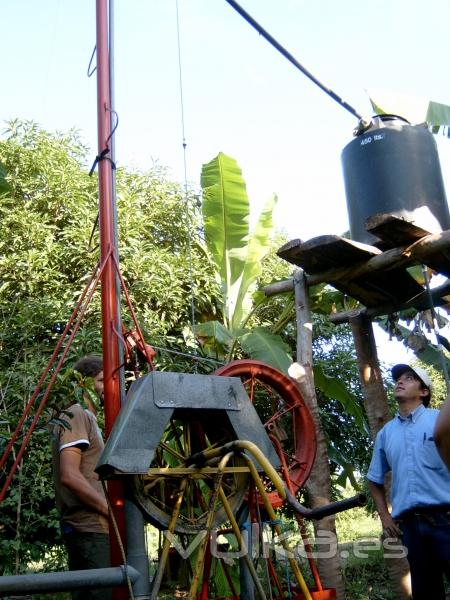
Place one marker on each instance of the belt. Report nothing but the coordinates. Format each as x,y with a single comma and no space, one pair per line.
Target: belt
423,511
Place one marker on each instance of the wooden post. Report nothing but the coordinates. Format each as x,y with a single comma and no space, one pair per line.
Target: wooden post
375,403
319,482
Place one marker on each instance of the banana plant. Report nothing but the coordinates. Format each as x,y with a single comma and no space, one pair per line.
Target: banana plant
418,110
425,350
237,254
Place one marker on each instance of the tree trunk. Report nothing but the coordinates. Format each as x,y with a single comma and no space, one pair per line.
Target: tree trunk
375,403
319,482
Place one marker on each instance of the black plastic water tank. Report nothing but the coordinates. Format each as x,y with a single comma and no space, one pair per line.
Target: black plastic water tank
394,168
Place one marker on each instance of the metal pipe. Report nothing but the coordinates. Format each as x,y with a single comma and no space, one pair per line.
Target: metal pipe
110,324
136,550
112,143
68,580
245,578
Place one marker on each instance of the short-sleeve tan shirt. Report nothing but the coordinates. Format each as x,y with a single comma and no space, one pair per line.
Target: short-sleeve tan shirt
85,434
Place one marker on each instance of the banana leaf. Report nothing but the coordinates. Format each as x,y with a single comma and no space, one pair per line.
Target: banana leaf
416,110
263,345
226,220
347,468
215,330
237,255
258,247
334,388
215,337
425,350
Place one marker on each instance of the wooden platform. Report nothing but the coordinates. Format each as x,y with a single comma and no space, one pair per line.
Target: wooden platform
371,275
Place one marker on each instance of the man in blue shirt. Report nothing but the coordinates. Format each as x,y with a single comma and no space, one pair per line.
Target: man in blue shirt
442,432
420,483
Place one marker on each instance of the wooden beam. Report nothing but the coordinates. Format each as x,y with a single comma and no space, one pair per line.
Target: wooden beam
420,302
394,231
279,287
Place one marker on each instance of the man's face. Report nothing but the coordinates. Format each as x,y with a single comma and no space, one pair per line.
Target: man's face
409,387
98,385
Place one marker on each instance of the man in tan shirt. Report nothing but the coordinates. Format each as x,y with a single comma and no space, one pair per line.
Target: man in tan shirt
79,493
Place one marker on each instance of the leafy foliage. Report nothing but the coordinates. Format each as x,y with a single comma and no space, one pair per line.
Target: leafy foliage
342,411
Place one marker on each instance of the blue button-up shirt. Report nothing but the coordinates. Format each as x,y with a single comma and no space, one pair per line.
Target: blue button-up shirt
406,447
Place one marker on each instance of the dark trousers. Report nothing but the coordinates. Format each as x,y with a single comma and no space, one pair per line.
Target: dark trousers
88,551
426,535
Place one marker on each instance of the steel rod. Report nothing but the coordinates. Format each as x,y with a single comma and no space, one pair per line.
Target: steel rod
67,580
198,569
110,322
48,389
270,511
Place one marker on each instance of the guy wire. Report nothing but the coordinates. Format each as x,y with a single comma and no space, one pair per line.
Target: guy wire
186,195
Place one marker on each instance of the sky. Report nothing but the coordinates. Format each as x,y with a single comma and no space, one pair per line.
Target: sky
240,96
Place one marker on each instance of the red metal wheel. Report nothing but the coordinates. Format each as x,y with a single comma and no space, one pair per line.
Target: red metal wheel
285,416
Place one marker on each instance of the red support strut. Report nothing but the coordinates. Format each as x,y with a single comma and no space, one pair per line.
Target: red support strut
110,316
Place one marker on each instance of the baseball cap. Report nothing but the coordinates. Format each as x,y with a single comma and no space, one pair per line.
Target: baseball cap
398,370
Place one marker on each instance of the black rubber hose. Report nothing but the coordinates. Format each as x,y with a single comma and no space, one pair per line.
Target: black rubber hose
329,509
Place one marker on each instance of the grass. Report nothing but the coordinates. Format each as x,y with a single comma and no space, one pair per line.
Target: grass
367,579
355,524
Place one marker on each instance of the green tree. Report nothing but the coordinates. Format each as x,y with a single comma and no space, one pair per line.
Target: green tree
48,249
